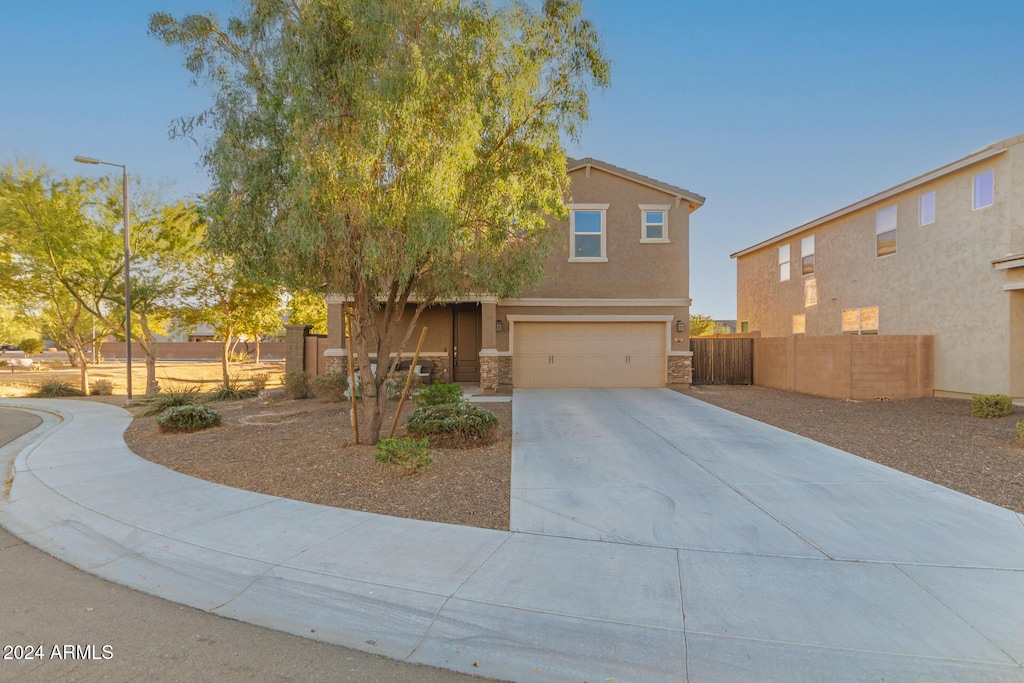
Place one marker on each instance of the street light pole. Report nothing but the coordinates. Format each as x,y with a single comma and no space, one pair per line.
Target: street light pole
127,273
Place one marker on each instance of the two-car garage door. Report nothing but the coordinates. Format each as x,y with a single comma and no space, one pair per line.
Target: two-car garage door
589,354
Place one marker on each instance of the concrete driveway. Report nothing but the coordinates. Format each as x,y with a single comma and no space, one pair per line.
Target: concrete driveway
795,559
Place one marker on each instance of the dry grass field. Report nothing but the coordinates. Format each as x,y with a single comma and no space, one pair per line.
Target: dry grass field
170,374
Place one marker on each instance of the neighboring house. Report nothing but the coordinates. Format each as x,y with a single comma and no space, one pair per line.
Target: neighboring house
941,254
611,312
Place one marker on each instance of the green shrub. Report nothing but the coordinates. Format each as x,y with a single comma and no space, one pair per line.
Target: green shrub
234,391
989,406
55,388
101,387
410,455
184,395
454,425
400,377
1020,433
31,345
331,386
239,357
439,395
187,418
259,381
298,384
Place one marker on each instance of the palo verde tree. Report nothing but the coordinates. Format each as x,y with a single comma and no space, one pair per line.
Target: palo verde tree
217,295
395,152
56,252
70,261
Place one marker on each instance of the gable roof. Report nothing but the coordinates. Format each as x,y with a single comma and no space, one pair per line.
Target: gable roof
973,158
692,198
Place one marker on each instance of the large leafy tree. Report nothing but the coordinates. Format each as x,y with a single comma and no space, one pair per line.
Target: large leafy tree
55,244
230,304
67,261
397,152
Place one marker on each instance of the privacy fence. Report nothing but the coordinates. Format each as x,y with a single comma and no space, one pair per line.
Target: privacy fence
854,367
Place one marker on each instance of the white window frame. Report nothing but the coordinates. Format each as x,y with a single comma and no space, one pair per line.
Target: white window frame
644,209
603,208
784,263
991,173
929,199
806,250
884,225
860,329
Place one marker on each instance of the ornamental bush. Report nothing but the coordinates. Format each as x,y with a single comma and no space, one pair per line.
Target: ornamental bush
440,394
102,387
990,406
298,384
331,386
55,388
182,395
406,453
455,425
187,418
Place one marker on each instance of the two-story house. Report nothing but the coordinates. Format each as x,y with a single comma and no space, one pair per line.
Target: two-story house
941,254
612,310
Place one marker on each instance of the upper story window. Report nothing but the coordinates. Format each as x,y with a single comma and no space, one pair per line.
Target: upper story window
588,232
783,263
984,189
926,209
862,320
885,230
807,255
654,222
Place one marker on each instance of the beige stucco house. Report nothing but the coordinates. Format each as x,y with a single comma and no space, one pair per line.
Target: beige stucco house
612,310
941,254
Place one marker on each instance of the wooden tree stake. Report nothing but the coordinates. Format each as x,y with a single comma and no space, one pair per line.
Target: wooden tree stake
408,382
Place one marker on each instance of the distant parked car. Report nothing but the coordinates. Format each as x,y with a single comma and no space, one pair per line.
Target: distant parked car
9,347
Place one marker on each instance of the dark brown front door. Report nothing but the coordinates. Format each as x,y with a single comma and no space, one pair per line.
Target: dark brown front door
466,346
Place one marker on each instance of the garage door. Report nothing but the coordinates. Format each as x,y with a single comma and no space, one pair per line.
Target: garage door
598,354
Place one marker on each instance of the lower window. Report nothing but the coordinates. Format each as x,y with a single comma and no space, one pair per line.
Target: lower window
862,320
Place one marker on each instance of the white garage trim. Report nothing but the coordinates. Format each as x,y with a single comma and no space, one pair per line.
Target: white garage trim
513,319
590,351
595,302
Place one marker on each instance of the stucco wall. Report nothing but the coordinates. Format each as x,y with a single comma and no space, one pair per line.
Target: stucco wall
634,270
939,282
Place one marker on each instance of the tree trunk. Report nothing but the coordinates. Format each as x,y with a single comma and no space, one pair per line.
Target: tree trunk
225,357
256,355
84,371
149,347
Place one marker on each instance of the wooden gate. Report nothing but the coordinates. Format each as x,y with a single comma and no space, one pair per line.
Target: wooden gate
718,360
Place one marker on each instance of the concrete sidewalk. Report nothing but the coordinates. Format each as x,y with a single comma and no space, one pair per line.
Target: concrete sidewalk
735,552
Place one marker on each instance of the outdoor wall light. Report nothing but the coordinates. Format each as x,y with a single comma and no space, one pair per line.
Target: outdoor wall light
679,326
497,325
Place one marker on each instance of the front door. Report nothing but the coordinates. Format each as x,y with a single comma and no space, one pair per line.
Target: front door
466,343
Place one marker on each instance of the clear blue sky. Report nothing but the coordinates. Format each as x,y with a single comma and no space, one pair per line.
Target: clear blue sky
778,112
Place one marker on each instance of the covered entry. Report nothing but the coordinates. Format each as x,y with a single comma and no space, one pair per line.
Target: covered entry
589,354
